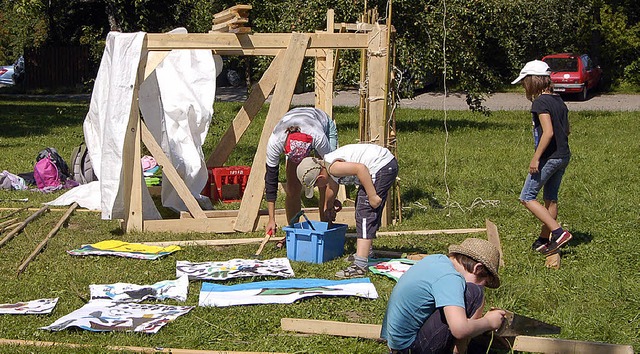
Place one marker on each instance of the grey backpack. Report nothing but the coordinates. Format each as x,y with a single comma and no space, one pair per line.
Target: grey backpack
81,168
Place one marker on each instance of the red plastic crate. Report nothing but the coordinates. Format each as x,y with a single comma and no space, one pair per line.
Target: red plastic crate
227,184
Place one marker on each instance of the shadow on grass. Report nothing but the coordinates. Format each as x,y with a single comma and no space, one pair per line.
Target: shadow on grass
437,125
40,119
414,194
580,238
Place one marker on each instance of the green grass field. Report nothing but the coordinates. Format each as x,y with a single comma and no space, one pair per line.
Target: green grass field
593,297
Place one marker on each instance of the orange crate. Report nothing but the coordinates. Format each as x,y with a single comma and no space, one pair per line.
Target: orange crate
227,184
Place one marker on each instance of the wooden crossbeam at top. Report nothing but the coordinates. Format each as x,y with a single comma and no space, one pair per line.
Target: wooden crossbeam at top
234,11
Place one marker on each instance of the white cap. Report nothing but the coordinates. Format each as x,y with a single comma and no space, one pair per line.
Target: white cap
534,67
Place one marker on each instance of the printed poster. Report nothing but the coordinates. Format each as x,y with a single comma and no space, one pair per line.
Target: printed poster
124,292
105,316
235,268
282,291
393,268
123,249
34,307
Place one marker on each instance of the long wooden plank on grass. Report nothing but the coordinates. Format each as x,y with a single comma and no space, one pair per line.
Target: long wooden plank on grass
219,242
250,108
565,346
24,224
424,232
51,233
34,343
172,175
334,328
294,56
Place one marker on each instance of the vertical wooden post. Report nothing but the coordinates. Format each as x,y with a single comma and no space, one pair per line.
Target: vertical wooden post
131,166
285,86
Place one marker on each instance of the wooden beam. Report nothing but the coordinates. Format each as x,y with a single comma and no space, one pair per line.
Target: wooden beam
170,172
227,224
51,233
219,242
565,346
424,232
153,60
34,343
293,56
259,41
24,224
494,238
259,93
236,10
333,328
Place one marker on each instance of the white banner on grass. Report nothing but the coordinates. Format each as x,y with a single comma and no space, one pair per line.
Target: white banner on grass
105,316
235,268
34,307
124,292
282,291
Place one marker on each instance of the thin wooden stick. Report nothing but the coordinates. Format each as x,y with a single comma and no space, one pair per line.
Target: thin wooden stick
15,211
52,233
8,222
36,343
20,227
425,232
218,242
14,225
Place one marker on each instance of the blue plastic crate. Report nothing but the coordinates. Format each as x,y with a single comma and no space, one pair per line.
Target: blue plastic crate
315,246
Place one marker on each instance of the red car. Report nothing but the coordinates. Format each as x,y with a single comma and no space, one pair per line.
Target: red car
572,73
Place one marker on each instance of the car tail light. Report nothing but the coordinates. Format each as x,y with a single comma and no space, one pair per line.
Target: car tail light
3,70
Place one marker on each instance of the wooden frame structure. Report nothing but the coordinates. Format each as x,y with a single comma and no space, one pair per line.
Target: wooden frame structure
289,50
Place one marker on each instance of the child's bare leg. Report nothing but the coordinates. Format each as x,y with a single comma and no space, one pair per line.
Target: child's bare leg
552,207
542,214
363,245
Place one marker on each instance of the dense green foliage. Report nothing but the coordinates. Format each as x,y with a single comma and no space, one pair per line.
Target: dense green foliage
592,297
479,45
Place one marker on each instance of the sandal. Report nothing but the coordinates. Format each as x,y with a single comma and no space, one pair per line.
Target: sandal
352,271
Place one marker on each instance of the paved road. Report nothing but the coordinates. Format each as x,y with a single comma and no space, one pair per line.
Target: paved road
431,100
456,101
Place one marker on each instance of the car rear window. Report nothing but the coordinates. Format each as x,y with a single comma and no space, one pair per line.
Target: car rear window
562,64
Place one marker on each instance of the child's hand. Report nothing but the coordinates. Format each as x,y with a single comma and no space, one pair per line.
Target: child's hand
533,166
330,214
375,201
495,318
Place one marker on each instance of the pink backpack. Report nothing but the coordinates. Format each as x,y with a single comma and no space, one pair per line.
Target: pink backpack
45,173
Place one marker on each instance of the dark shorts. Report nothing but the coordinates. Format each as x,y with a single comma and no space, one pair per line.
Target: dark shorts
368,219
434,336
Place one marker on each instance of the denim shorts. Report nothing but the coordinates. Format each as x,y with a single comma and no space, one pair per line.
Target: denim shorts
368,219
549,176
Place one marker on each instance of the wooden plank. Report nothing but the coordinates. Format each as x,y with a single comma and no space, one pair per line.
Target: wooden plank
153,60
218,242
227,224
170,172
241,8
424,232
221,42
494,238
259,93
353,27
334,328
50,209
238,21
280,103
51,233
565,346
33,343
24,224
553,261
345,213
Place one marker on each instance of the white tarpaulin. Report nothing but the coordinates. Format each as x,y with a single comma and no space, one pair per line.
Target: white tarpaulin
176,103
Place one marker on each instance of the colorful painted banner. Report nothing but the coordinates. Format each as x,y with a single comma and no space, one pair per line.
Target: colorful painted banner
124,292
105,316
282,291
34,307
123,249
393,268
235,268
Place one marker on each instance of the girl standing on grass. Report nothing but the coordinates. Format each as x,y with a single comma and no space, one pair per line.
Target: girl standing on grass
551,156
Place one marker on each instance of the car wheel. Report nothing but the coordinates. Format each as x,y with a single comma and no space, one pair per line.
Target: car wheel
584,94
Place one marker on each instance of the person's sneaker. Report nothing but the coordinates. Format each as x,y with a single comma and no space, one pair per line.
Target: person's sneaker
352,271
540,245
557,242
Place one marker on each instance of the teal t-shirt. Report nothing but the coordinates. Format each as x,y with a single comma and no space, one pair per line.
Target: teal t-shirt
429,284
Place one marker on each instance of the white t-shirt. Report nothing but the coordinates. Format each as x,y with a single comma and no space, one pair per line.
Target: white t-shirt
373,156
311,121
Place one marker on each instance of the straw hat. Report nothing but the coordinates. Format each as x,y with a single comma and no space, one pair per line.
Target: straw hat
484,252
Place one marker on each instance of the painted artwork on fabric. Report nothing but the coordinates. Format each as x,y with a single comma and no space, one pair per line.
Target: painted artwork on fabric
105,315
34,307
282,291
123,249
393,268
235,268
124,292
